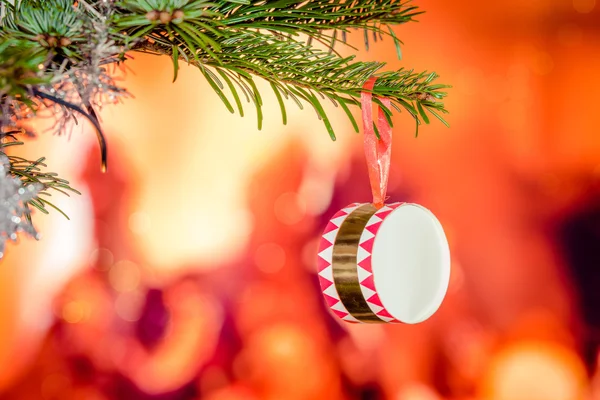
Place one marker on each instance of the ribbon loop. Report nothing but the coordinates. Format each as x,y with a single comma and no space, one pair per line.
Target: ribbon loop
377,151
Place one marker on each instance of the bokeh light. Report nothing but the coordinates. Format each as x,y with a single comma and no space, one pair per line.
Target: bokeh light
536,371
188,270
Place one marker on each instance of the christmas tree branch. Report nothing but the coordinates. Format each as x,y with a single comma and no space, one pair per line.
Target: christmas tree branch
231,41
55,54
222,36
30,173
299,71
290,17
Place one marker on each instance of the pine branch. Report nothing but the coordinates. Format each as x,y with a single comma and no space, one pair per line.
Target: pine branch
30,172
290,17
221,35
19,68
299,71
54,53
233,41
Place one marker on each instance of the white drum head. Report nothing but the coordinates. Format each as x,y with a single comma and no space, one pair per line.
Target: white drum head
411,263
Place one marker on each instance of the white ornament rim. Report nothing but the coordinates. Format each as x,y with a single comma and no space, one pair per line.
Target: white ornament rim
417,280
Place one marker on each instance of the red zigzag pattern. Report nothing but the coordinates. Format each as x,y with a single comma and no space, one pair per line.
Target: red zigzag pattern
364,267
324,264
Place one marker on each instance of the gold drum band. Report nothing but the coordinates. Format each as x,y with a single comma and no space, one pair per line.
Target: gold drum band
345,272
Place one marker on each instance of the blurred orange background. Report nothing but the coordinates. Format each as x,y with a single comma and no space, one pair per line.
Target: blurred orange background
188,270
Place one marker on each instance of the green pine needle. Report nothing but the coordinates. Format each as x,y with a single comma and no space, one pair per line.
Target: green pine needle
231,42
31,172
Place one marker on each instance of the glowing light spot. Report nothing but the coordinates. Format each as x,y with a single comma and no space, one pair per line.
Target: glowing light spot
584,6
74,312
535,371
317,190
417,391
270,258
306,373
245,223
124,276
290,208
139,222
102,258
285,342
128,305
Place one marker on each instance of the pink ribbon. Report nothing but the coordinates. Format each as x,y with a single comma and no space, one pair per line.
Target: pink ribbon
377,151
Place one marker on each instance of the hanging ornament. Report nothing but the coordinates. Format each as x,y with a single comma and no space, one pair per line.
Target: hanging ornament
383,263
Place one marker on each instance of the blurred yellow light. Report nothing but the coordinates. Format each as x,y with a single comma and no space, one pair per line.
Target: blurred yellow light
535,371
417,391
124,276
139,222
316,190
285,343
196,196
285,361
74,312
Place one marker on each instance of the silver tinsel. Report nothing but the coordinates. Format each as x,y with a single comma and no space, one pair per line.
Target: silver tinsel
13,196
88,82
